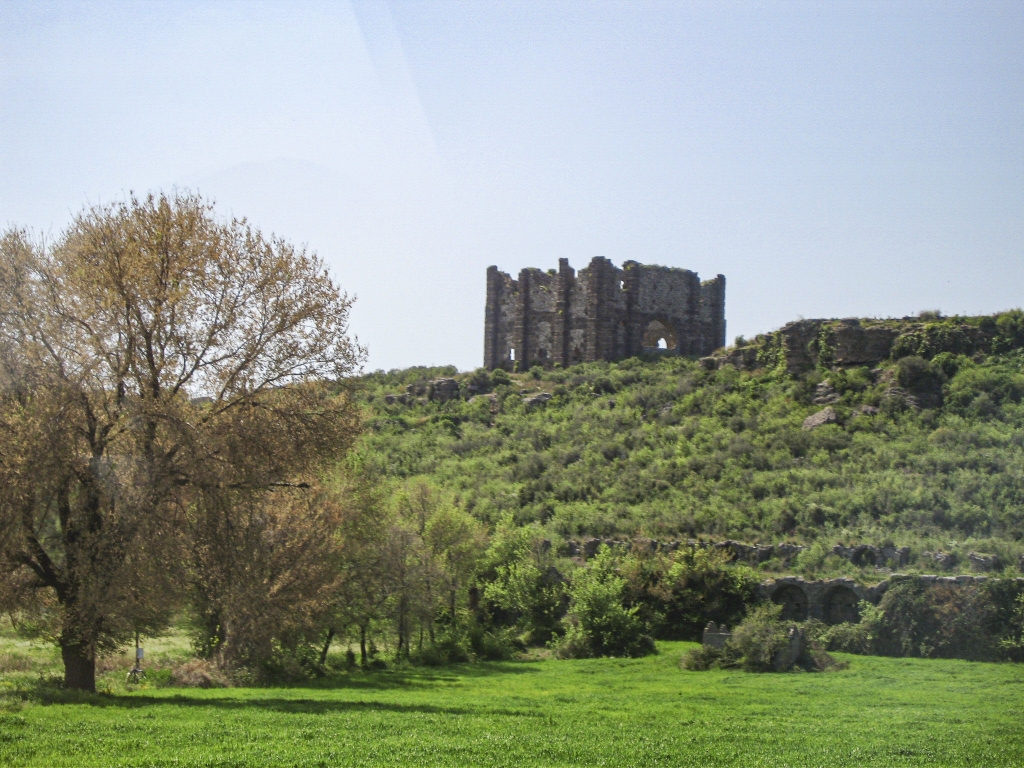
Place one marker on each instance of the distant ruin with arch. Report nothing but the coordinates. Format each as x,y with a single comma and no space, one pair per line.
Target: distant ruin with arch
601,313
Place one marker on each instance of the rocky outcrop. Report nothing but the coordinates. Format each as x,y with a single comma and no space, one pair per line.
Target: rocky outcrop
982,562
535,400
867,555
804,345
825,393
443,390
821,418
944,560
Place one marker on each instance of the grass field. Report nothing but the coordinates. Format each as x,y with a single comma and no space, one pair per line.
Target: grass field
599,712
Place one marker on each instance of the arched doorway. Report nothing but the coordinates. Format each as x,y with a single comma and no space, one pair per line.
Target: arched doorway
841,606
659,336
793,601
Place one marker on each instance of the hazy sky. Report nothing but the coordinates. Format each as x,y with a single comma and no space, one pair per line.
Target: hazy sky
831,159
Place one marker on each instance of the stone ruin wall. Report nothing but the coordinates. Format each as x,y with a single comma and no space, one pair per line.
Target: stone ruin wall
601,313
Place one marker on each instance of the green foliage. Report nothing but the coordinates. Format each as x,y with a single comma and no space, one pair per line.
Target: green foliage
937,621
974,622
1013,643
756,644
920,376
861,637
522,583
667,449
677,594
598,624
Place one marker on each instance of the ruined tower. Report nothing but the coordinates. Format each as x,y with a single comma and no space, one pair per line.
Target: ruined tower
601,313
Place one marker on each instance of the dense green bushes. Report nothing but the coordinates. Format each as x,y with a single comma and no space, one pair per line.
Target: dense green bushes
666,449
975,622
598,623
926,452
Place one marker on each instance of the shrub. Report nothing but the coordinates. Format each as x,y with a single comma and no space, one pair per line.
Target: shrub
198,673
936,621
449,648
762,643
598,624
758,638
524,586
1012,644
847,637
920,376
677,594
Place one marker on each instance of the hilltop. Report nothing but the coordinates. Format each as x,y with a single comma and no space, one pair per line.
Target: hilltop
915,442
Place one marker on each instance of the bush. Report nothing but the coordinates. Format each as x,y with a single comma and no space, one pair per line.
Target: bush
762,643
449,648
847,637
198,673
758,638
598,624
1012,644
937,621
495,644
919,376
525,587
679,593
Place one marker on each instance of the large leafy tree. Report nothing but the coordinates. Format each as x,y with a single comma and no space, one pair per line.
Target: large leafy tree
152,358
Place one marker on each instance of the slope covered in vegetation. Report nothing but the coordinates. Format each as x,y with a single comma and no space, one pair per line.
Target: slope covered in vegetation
925,451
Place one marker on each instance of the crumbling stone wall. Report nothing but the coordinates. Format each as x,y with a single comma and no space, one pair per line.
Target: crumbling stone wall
834,601
602,313
806,344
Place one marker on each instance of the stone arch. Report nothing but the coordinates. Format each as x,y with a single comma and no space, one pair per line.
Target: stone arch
793,601
864,555
840,605
660,335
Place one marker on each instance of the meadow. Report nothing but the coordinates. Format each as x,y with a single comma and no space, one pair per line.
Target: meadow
636,712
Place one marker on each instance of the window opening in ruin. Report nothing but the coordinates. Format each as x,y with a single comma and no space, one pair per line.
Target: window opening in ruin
512,353
659,336
542,354
577,354
622,285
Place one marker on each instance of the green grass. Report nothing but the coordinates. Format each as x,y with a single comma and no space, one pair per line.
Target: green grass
595,712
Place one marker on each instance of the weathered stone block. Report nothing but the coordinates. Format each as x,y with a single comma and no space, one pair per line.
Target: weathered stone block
821,418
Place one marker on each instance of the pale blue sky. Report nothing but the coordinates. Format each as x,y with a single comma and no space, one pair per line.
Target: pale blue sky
831,159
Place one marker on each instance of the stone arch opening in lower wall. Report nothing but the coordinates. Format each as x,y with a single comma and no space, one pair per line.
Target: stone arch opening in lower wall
659,336
863,556
840,605
793,601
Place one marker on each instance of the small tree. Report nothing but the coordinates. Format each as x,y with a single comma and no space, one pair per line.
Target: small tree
523,583
598,624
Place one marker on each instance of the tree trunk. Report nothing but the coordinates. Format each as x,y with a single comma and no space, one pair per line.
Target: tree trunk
327,647
362,644
79,668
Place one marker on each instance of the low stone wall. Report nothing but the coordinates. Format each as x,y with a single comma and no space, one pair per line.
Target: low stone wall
834,601
860,554
715,636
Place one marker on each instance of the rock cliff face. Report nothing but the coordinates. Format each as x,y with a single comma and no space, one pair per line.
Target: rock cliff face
806,344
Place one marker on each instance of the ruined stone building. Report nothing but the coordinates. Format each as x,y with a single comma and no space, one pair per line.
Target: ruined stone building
601,313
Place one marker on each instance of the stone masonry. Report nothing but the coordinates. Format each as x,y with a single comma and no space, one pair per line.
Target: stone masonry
601,313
